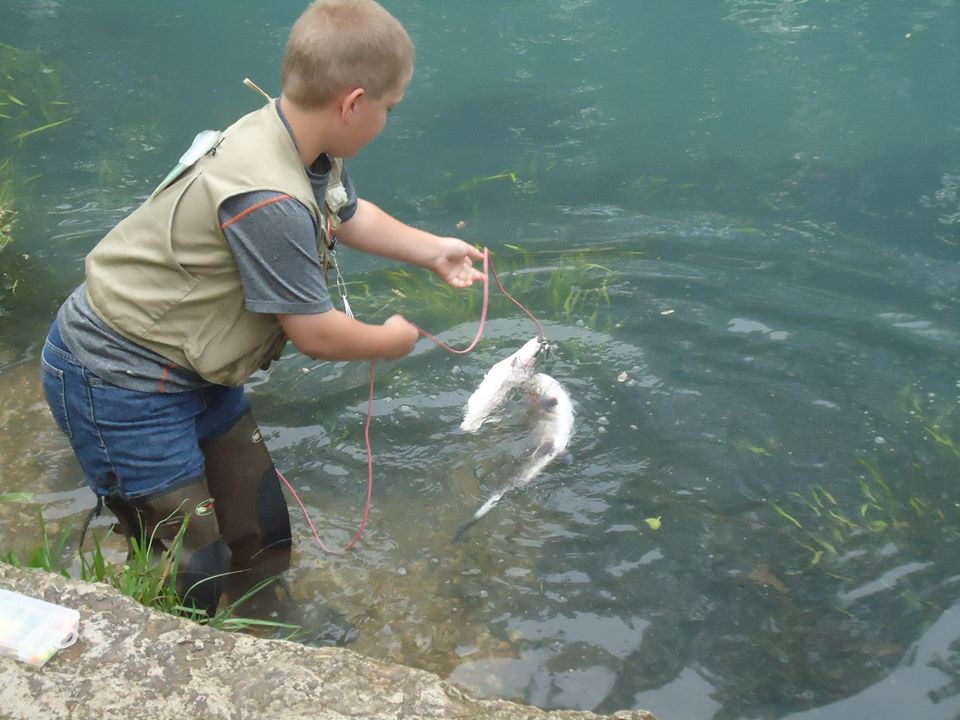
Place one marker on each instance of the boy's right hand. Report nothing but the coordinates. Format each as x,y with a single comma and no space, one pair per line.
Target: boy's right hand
404,336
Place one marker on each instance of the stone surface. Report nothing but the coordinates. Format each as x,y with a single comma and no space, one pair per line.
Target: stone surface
131,661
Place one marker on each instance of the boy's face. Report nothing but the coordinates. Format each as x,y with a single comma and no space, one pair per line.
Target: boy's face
365,118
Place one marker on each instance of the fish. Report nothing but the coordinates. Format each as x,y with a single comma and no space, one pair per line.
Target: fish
500,379
556,429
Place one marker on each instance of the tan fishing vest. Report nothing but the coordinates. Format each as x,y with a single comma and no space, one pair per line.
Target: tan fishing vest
165,276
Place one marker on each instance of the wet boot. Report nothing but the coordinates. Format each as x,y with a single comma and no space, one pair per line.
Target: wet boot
250,505
203,557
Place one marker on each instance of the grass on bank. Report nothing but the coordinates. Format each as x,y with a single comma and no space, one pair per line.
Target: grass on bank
148,576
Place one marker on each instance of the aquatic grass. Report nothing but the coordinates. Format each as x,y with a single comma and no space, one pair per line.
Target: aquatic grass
30,105
6,228
577,282
937,424
471,196
645,191
21,136
569,283
417,294
822,524
30,99
585,288
7,212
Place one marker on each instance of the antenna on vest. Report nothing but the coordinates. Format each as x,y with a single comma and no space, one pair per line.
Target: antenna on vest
253,86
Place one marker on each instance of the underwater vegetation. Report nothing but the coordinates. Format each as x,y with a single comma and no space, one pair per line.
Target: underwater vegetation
568,284
30,96
9,274
30,104
828,522
7,214
472,196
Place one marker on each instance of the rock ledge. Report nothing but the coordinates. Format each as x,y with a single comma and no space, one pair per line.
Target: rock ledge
131,661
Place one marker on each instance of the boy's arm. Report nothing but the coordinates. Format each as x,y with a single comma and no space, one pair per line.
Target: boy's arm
374,231
332,335
274,242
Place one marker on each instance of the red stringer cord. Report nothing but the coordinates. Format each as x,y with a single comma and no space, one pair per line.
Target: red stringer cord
488,269
369,501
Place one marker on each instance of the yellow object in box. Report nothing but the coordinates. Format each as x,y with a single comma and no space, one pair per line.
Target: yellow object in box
33,630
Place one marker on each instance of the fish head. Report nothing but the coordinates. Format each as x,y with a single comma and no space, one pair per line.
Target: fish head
526,358
506,375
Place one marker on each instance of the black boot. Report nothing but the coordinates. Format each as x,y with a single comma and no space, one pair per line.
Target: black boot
203,557
250,505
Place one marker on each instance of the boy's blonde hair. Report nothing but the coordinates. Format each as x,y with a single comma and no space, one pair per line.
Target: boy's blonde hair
341,45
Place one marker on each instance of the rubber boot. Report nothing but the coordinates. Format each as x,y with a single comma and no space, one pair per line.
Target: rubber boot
255,523
250,506
203,556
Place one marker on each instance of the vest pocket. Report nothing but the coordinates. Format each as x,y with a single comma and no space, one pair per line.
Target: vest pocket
236,350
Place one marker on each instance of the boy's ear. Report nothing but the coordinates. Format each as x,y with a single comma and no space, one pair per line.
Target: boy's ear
348,102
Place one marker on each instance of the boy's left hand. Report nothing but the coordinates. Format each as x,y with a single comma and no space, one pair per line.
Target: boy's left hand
454,263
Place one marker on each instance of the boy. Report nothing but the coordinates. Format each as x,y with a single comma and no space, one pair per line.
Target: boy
207,280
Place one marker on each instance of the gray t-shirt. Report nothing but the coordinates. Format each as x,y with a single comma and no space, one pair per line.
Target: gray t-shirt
275,246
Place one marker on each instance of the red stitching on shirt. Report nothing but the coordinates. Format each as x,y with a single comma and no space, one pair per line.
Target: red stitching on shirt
252,208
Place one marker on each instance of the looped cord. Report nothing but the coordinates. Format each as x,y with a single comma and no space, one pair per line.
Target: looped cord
488,269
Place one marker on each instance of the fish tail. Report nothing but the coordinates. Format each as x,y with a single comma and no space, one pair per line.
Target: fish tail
483,510
464,527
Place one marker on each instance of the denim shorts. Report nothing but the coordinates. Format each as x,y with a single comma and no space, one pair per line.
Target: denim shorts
141,443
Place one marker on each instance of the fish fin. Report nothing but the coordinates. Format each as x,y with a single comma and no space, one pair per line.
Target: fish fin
566,458
543,448
548,402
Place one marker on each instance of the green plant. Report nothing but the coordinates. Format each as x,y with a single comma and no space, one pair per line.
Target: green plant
148,576
570,283
7,214
576,281
822,524
30,101
938,425
46,556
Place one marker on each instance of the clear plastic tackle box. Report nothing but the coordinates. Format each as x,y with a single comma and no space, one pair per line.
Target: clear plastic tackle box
33,630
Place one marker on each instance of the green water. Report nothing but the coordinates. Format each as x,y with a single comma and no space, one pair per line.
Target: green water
740,224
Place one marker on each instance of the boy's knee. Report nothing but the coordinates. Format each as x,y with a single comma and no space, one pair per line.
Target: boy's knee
181,521
250,504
